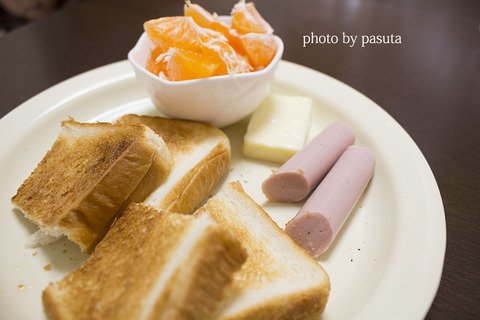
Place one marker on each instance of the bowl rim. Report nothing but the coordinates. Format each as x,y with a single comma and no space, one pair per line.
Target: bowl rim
271,65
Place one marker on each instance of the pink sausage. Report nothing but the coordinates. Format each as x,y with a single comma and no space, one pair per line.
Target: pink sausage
294,180
323,214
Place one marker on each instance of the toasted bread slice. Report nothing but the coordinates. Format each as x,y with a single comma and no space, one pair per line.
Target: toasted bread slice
201,155
87,175
151,265
279,280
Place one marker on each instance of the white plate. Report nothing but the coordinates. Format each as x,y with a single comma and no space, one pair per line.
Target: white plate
386,262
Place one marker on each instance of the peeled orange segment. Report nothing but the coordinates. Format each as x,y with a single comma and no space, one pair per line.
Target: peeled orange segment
231,61
187,65
245,19
207,20
223,28
173,31
235,40
204,18
155,64
260,48
201,16
181,32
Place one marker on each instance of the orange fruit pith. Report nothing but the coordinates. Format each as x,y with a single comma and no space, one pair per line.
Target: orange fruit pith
206,20
186,65
260,48
231,61
246,18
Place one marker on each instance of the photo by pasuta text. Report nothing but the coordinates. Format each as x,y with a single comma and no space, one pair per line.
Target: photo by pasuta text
350,40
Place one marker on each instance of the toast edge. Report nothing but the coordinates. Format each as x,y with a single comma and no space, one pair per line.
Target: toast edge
189,192
198,283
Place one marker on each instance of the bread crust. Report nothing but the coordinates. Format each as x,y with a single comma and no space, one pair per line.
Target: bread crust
189,192
93,182
198,284
181,137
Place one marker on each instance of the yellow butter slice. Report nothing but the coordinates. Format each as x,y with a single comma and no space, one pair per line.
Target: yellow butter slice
278,128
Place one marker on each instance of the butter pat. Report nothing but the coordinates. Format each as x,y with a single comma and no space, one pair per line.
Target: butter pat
278,128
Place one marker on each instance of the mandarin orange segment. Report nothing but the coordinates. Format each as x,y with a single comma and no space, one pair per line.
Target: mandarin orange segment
181,32
206,20
155,64
231,61
187,65
220,27
233,38
201,16
173,31
260,48
246,18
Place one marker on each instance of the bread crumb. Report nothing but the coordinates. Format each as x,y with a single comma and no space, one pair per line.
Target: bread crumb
48,267
34,254
300,171
21,287
65,251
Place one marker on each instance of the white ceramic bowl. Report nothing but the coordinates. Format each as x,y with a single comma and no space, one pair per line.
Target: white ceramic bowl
220,101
